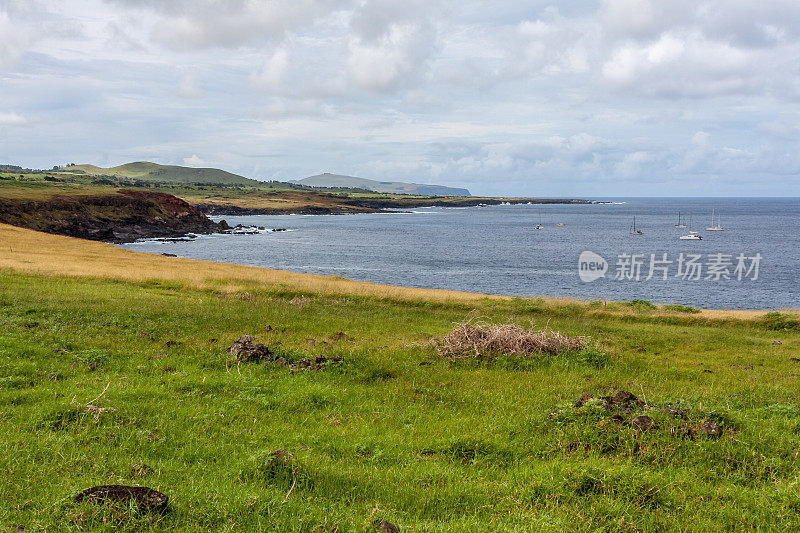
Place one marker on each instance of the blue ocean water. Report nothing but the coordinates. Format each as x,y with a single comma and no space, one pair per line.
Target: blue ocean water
496,250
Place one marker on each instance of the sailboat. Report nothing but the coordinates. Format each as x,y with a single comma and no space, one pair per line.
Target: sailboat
539,225
635,231
718,227
680,224
692,235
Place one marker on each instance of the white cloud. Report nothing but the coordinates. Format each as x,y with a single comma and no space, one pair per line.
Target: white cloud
507,97
188,85
188,24
272,74
194,161
11,119
395,59
13,41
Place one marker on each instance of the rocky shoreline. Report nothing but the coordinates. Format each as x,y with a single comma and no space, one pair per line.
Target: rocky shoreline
128,215
119,217
345,206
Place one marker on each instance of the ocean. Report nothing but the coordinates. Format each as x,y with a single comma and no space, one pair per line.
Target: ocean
752,264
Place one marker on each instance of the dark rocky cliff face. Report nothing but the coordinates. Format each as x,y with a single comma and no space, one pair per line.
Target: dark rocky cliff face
124,216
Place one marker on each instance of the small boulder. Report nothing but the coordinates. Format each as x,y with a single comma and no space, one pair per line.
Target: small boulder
147,499
776,342
627,399
245,349
642,423
710,429
386,527
617,419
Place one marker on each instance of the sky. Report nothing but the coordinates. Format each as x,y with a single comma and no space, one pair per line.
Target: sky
518,97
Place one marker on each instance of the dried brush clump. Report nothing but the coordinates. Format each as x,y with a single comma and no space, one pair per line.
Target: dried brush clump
481,340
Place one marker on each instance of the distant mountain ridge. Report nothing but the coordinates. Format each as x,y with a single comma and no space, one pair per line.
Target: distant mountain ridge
153,172
394,187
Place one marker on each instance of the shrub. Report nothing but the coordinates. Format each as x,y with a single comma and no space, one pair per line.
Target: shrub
680,308
776,321
643,305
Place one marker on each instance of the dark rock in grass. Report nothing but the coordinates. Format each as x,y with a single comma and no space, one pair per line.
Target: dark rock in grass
707,371
386,527
749,367
245,349
583,399
147,499
710,429
624,401
795,359
425,363
170,344
303,363
16,529
776,342
617,419
642,423
627,399
320,359
280,361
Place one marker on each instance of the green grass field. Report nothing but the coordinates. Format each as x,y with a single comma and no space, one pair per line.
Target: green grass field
447,446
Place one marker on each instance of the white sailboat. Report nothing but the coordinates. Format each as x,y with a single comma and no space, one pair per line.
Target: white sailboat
539,225
692,235
680,224
635,231
718,227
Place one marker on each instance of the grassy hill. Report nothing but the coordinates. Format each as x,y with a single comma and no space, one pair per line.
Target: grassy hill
115,369
153,172
392,187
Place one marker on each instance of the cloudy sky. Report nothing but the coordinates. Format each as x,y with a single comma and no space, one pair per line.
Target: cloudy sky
528,97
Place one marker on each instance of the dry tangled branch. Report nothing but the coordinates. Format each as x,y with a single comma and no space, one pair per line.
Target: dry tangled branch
478,339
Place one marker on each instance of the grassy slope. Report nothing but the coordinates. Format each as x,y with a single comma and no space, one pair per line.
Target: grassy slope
447,447
267,197
147,171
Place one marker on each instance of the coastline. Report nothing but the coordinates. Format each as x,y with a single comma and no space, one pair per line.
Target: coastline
327,204
36,252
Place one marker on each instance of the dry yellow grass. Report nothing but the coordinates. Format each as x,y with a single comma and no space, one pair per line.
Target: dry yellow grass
30,251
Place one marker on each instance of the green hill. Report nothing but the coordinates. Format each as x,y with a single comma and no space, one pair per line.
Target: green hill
153,172
393,187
